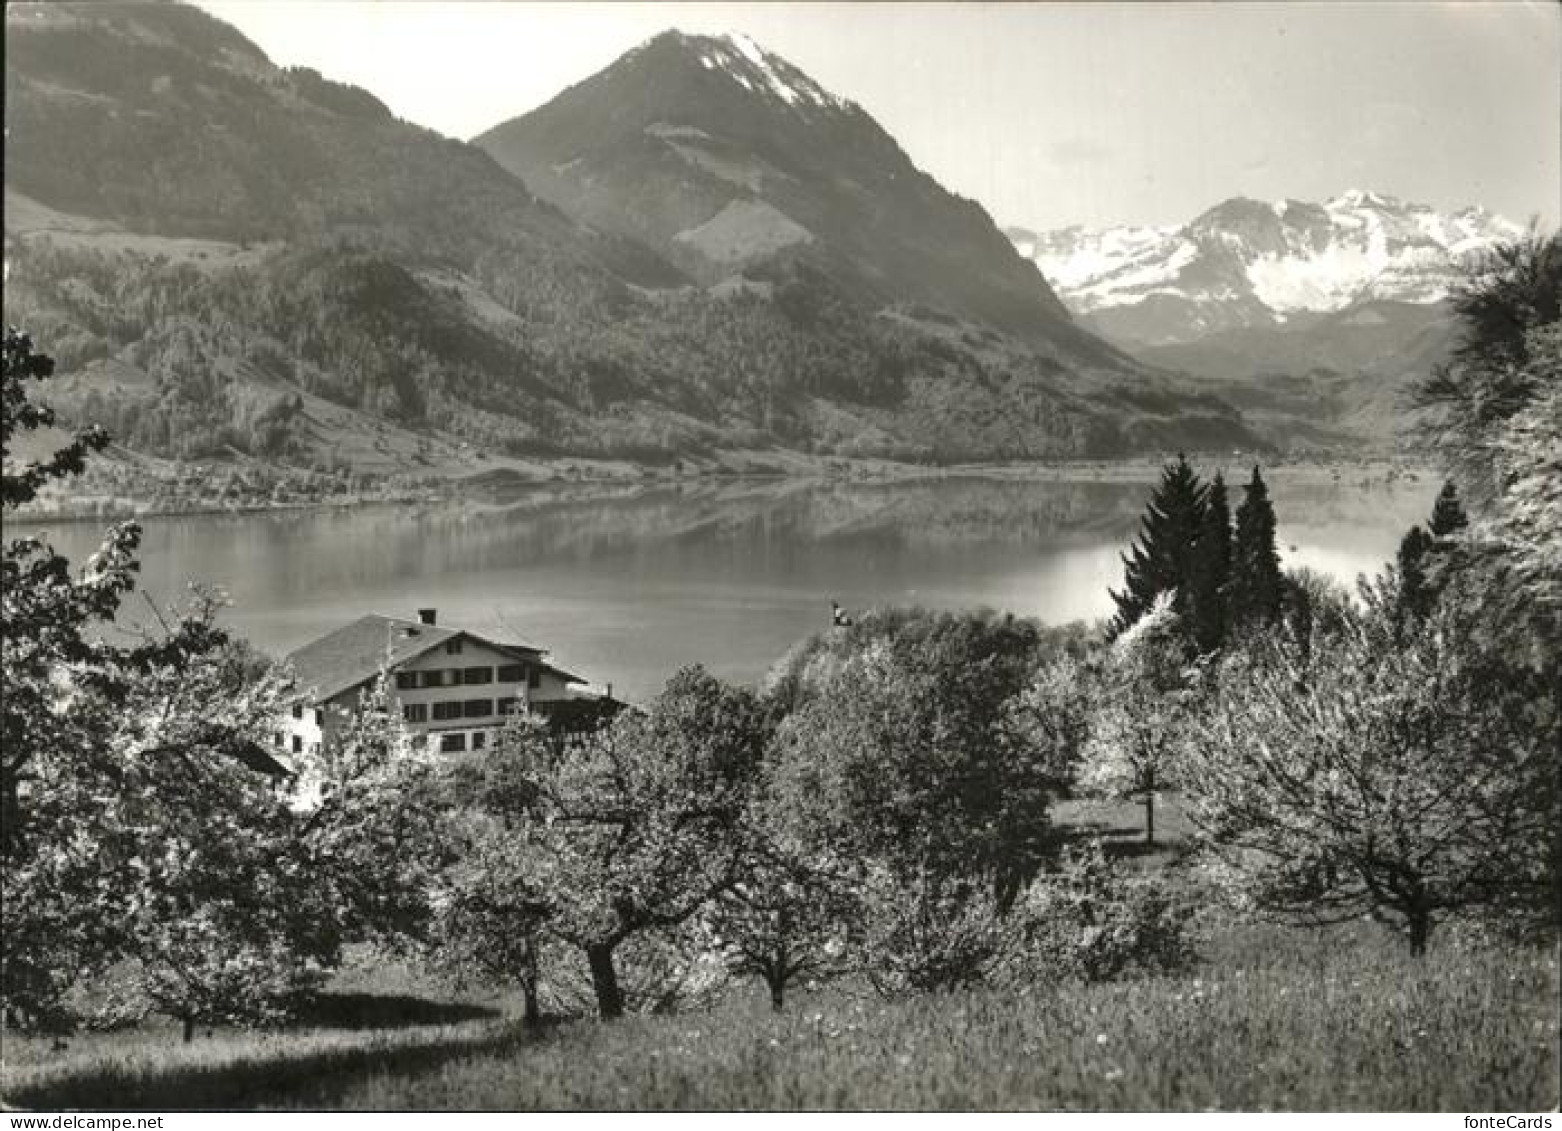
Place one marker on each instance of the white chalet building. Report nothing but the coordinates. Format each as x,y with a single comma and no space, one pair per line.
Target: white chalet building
453,686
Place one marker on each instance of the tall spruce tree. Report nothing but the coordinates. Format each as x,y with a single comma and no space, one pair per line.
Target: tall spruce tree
1212,571
1424,556
1163,558
1257,587
1448,516
1415,595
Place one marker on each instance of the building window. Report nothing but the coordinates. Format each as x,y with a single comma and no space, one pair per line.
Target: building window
451,743
298,744
504,706
415,712
406,681
319,717
533,678
512,673
479,739
298,710
478,708
477,675
446,711
444,677
453,647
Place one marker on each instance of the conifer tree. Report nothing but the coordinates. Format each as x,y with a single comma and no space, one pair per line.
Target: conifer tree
1448,515
1163,558
1415,596
1257,587
1212,571
1422,561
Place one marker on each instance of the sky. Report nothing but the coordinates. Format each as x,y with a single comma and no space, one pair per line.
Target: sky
1049,114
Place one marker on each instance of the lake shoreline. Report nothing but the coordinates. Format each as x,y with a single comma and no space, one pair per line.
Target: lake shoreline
626,582
486,487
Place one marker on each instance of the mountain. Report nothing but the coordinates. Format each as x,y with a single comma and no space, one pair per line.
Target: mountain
1322,313
725,157
236,261
1246,263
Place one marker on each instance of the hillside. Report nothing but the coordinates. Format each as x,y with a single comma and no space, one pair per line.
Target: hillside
211,245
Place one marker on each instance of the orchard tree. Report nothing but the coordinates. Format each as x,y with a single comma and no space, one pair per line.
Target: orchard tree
788,916
174,825
635,828
1465,405
1145,699
1410,776
22,479
1047,722
926,748
1316,608
924,929
145,822
902,746
60,921
1491,413
487,903
1525,518
47,612
1091,920
488,920
371,820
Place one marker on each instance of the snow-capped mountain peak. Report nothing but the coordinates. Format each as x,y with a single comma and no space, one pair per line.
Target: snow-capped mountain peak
760,71
1248,262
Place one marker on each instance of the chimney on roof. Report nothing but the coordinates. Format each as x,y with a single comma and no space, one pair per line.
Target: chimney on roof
428,616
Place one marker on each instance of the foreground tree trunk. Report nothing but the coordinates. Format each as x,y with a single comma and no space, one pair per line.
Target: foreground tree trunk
532,1015
1420,925
604,980
530,976
777,993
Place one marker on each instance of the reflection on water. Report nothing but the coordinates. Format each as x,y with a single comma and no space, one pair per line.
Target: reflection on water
626,585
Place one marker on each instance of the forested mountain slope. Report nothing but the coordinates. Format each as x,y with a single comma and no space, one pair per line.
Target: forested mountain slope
214,247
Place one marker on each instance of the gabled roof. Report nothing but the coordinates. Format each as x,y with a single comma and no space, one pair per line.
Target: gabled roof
355,653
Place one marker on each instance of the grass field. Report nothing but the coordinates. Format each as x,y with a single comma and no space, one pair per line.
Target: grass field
1274,1020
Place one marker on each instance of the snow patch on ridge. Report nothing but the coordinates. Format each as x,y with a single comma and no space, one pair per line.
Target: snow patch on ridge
757,70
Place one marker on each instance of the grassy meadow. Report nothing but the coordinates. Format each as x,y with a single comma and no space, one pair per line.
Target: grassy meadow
1271,1019
1276,1020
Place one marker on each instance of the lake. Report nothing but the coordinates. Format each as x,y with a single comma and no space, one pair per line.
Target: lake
624,585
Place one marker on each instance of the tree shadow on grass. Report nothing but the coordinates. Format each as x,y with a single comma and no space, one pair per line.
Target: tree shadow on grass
387,1011
307,1075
